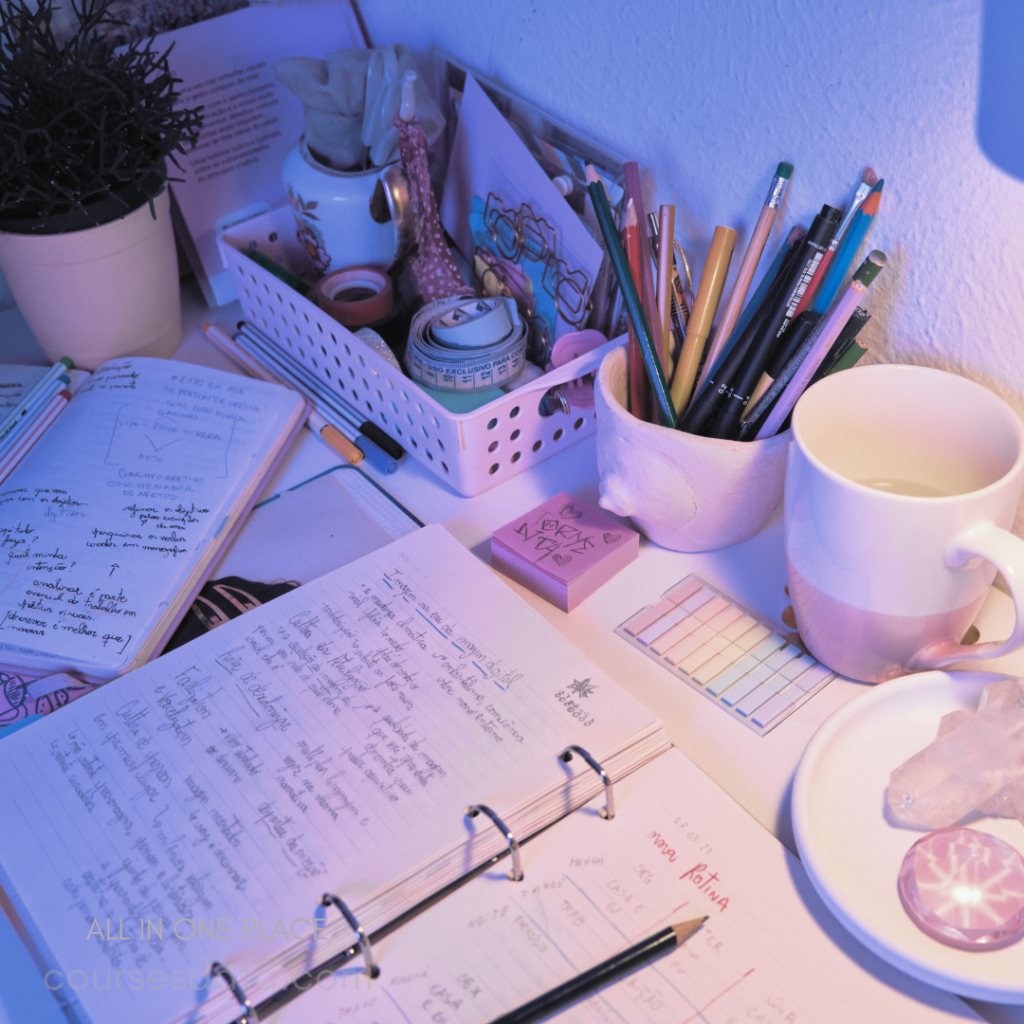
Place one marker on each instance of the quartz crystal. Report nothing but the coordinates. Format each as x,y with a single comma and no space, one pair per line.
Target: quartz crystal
975,764
965,889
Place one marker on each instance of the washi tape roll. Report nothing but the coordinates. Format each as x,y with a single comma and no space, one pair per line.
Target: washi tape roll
463,345
355,296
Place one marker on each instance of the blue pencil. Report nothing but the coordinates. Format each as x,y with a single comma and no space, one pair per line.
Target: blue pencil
848,249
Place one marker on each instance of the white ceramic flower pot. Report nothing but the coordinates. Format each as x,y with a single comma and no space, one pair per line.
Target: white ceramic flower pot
102,292
684,492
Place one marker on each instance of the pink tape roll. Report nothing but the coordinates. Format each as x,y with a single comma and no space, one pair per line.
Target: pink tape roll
358,311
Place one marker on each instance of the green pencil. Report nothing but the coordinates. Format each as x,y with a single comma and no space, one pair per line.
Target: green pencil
636,313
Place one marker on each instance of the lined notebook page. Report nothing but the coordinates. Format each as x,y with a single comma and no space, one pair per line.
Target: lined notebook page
328,741
678,848
118,500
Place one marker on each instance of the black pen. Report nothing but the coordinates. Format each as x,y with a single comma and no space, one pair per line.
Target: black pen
701,411
812,250
589,982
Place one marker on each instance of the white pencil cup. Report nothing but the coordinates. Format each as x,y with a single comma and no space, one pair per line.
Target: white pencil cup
684,492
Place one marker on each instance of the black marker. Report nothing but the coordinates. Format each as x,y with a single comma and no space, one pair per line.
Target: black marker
726,423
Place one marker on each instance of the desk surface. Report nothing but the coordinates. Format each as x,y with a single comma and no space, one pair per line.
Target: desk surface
756,771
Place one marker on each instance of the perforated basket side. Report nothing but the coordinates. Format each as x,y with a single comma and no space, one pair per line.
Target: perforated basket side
471,452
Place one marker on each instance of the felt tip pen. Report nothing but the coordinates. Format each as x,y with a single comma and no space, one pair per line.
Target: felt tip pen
816,347
701,411
812,249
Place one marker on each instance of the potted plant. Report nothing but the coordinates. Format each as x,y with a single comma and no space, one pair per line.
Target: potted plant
86,243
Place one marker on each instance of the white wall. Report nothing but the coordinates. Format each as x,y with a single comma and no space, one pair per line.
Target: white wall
709,96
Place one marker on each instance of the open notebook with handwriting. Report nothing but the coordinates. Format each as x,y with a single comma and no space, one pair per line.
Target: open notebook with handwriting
677,849
112,522
197,809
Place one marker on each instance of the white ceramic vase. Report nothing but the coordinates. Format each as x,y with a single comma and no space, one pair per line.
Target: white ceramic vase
684,492
348,218
101,292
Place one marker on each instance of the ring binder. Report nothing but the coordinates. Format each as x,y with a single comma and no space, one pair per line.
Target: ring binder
218,970
608,811
371,970
516,874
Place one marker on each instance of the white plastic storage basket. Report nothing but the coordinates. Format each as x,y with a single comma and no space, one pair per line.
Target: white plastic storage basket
470,451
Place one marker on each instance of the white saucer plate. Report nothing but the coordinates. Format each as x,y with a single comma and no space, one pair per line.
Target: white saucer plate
853,854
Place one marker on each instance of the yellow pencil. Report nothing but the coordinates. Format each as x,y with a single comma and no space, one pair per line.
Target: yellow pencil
716,270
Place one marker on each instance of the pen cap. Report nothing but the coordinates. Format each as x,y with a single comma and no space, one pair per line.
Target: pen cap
870,268
823,227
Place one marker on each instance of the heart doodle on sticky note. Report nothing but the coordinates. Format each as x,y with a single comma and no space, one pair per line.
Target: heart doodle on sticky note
561,559
568,512
612,538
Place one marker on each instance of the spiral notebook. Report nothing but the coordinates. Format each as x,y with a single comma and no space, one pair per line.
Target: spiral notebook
329,743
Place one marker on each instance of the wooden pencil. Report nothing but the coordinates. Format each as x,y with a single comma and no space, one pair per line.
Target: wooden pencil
666,235
639,392
751,258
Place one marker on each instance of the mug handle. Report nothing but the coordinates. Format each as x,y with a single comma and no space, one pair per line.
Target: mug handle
1006,552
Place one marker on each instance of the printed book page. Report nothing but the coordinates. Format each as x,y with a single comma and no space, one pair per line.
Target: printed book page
101,523
251,121
678,849
330,741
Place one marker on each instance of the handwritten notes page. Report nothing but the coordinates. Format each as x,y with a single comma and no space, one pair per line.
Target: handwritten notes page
105,528
678,848
330,741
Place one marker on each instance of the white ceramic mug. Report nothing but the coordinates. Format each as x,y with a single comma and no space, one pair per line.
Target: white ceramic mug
901,487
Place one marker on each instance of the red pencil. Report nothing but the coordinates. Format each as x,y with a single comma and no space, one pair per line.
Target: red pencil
639,394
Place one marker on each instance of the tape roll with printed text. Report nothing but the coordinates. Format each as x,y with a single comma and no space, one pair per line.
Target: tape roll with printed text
464,345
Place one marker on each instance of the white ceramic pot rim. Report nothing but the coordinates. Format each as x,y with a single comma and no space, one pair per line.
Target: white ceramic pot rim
858,488
96,242
622,414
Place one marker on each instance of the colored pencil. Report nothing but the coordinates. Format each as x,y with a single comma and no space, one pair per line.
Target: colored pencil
631,181
602,975
666,235
28,437
867,182
680,310
327,432
338,413
630,298
808,358
712,280
40,401
639,392
857,232
44,384
751,258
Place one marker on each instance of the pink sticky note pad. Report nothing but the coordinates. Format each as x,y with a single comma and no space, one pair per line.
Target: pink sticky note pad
563,550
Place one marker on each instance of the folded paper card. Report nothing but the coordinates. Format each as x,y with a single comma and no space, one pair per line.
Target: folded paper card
563,550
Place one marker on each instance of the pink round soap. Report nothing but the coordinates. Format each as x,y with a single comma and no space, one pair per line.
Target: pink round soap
965,889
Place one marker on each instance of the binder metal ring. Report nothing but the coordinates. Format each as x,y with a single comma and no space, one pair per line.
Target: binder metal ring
608,811
371,970
516,874
218,970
